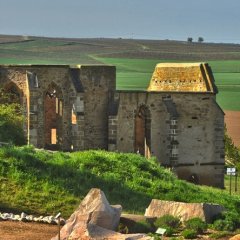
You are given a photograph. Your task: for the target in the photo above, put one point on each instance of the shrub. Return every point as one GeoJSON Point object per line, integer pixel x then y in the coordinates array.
{"type": "Point", "coordinates": [122, 228]}
{"type": "Point", "coordinates": [196, 224]}
{"type": "Point", "coordinates": [189, 233]}
{"type": "Point", "coordinates": [141, 227]}
{"type": "Point", "coordinates": [218, 235]}
{"type": "Point", "coordinates": [228, 222]}
{"type": "Point", "coordinates": [11, 121]}
{"type": "Point", "coordinates": [169, 232]}
{"type": "Point", "coordinates": [155, 236]}
{"type": "Point", "coordinates": [167, 221]}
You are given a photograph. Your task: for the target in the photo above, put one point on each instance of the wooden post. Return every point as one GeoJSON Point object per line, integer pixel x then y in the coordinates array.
{"type": "Point", "coordinates": [59, 227]}
{"type": "Point", "coordinates": [230, 188]}
{"type": "Point", "coordinates": [236, 182]}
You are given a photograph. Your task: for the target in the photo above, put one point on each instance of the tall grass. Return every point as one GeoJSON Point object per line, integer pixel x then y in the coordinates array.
{"type": "Point", "coordinates": [44, 183]}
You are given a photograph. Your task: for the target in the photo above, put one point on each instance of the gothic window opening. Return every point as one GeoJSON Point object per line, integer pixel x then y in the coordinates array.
{"type": "Point", "coordinates": [53, 106]}
{"type": "Point", "coordinates": [13, 93]}
{"type": "Point", "coordinates": [143, 132]}
{"type": "Point", "coordinates": [53, 136]}
{"type": "Point", "coordinates": [74, 116]}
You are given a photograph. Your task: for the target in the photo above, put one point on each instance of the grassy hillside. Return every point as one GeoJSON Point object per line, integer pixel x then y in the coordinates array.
{"type": "Point", "coordinates": [44, 183]}
{"type": "Point", "coordinates": [135, 59]}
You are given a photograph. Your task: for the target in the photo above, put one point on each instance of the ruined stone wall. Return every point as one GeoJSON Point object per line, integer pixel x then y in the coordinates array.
{"type": "Point", "coordinates": [184, 130]}
{"type": "Point", "coordinates": [98, 84]}
{"type": "Point", "coordinates": [191, 142]}
{"type": "Point", "coordinates": [87, 89]}
{"type": "Point", "coordinates": [45, 78]}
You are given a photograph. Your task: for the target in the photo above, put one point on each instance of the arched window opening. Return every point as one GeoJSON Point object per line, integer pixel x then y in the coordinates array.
{"type": "Point", "coordinates": [12, 93]}
{"type": "Point", "coordinates": [74, 116]}
{"type": "Point", "coordinates": [143, 132]}
{"type": "Point", "coordinates": [53, 105]}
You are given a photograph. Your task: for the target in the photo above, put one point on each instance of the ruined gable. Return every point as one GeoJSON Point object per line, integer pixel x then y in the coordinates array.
{"type": "Point", "coordinates": [182, 77]}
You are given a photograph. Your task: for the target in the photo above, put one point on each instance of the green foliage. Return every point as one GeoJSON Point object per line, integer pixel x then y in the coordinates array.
{"type": "Point", "coordinates": [218, 235]}
{"type": "Point", "coordinates": [196, 224]}
{"type": "Point", "coordinates": [11, 121]}
{"type": "Point", "coordinates": [155, 236]}
{"type": "Point", "coordinates": [231, 151]}
{"type": "Point", "coordinates": [123, 228]}
{"type": "Point", "coordinates": [141, 227]}
{"type": "Point", "coordinates": [228, 221]}
{"type": "Point", "coordinates": [189, 233]}
{"type": "Point", "coordinates": [167, 221]}
{"type": "Point", "coordinates": [169, 231]}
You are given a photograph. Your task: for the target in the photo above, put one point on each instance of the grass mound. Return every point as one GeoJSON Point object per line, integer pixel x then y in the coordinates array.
{"type": "Point", "coordinates": [41, 182]}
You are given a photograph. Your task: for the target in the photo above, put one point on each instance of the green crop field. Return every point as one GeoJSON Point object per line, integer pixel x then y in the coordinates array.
{"type": "Point", "coordinates": [135, 59]}
{"type": "Point", "coordinates": [136, 74]}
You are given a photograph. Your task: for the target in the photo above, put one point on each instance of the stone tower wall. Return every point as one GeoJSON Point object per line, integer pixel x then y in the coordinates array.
{"type": "Point", "coordinates": [191, 142]}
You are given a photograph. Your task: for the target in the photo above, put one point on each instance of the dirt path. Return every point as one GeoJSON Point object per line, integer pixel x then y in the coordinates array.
{"type": "Point", "coordinates": [10, 230]}
{"type": "Point", "coordinates": [232, 120]}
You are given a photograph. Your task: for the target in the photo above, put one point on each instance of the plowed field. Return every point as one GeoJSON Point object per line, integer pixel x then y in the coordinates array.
{"type": "Point", "coordinates": [232, 120]}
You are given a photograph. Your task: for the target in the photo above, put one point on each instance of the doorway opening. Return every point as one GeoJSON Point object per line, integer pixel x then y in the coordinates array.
{"type": "Point", "coordinates": [143, 132]}
{"type": "Point", "coordinates": [53, 109]}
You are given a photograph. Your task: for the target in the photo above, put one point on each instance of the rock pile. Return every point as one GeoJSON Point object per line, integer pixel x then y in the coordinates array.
{"type": "Point", "coordinates": [23, 217]}
{"type": "Point", "coordinates": [95, 218]}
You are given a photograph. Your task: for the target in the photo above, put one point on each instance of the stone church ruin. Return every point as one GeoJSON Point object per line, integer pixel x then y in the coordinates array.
{"type": "Point", "coordinates": [177, 119]}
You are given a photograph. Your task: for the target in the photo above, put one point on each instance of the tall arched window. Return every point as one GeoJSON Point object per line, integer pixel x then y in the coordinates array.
{"type": "Point", "coordinates": [143, 131]}
{"type": "Point", "coordinates": [53, 109]}
{"type": "Point", "coordinates": [13, 93]}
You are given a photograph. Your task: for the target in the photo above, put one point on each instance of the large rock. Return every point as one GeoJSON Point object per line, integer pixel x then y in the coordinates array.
{"type": "Point", "coordinates": [93, 231]}
{"type": "Point", "coordinates": [185, 211]}
{"type": "Point", "coordinates": [95, 218]}
{"type": "Point", "coordinates": [236, 237]}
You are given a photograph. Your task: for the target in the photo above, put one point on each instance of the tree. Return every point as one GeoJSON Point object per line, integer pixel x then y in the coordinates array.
{"type": "Point", "coordinates": [11, 120]}
{"type": "Point", "coordinates": [200, 39]}
{"type": "Point", "coordinates": [231, 151]}
{"type": "Point", "coordinates": [190, 39]}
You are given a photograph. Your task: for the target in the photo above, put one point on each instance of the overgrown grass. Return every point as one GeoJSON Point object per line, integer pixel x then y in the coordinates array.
{"type": "Point", "coordinates": [44, 183]}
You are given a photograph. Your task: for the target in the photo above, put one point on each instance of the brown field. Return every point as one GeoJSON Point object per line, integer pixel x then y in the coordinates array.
{"type": "Point", "coordinates": [232, 120]}
{"type": "Point", "coordinates": [26, 231]}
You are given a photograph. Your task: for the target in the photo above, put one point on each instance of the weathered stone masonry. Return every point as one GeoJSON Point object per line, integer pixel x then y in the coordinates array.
{"type": "Point", "coordinates": [77, 107]}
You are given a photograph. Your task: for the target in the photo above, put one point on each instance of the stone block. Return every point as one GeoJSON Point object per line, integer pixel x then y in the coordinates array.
{"type": "Point", "coordinates": [185, 211]}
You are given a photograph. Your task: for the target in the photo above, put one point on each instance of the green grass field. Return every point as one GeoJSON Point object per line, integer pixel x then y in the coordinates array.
{"type": "Point", "coordinates": [136, 74]}
{"type": "Point", "coordinates": [132, 73]}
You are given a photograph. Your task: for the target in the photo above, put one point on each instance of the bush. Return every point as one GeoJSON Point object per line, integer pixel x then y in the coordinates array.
{"type": "Point", "coordinates": [155, 236]}
{"type": "Point", "coordinates": [189, 233]}
{"type": "Point", "coordinates": [169, 232]}
{"type": "Point", "coordinates": [218, 235]}
{"type": "Point", "coordinates": [11, 121]}
{"type": "Point", "coordinates": [228, 222]}
{"type": "Point", "coordinates": [122, 228]}
{"type": "Point", "coordinates": [141, 227]}
{"type": "Point", "coordinates": [167, 221]}
{"type": "Point", "coordinates": [196, 224]}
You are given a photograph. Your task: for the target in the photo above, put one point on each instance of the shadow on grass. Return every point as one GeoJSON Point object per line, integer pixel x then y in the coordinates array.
{"type": "Point", "coordinates": [64, 176]}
